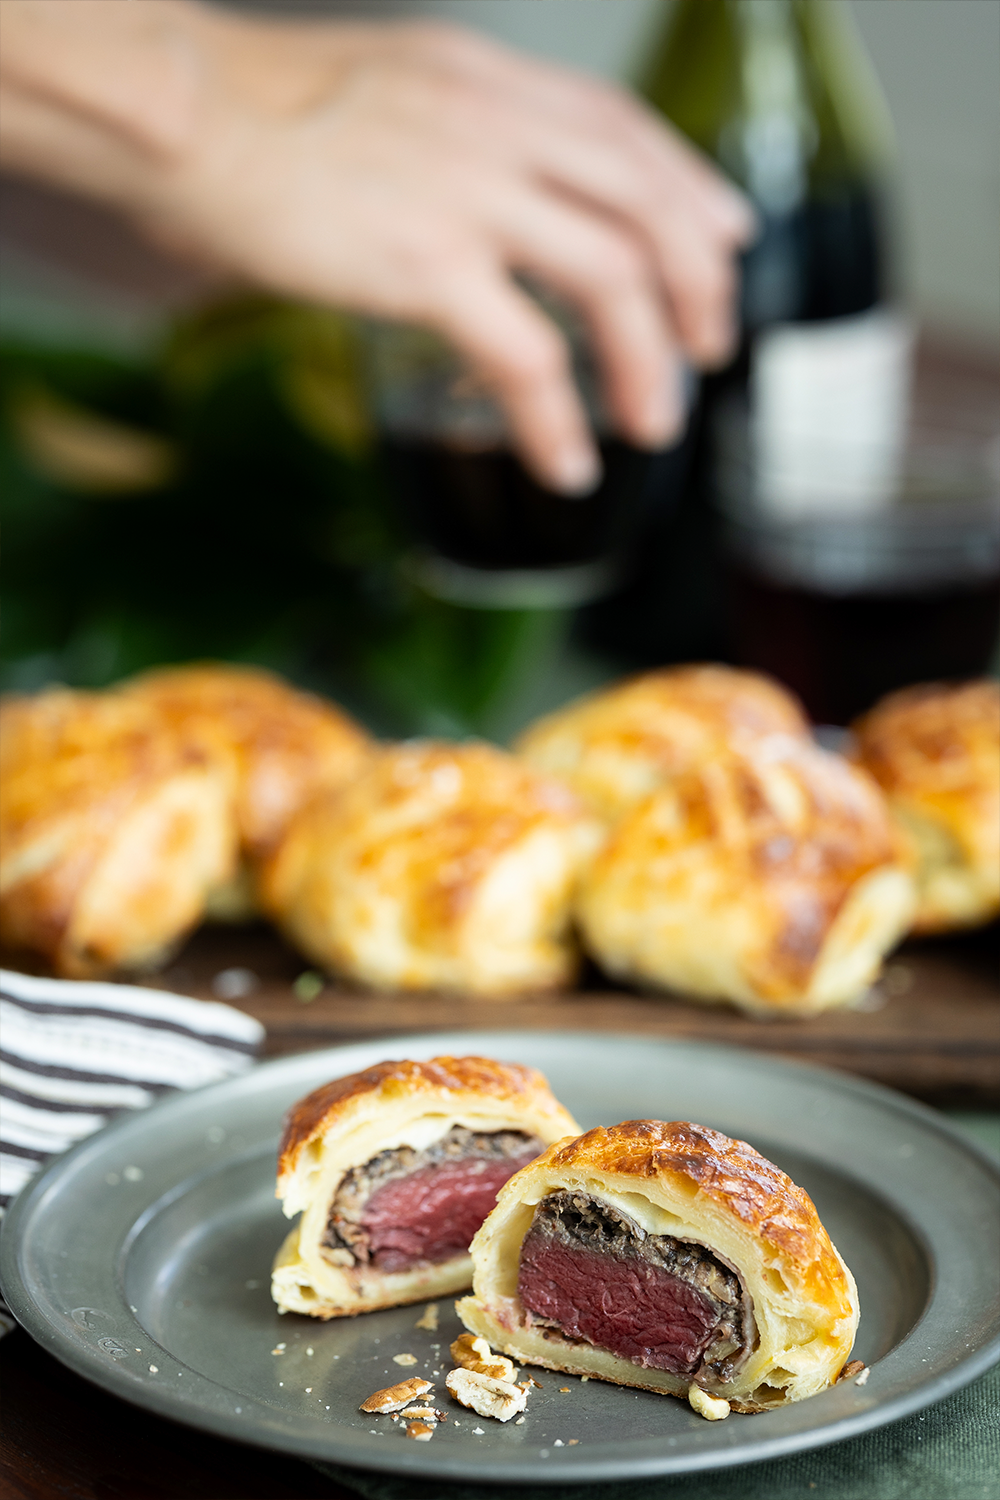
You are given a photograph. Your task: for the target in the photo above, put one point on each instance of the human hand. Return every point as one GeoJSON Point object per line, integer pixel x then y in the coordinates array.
{"type": "Point", "coordinates": [412, 171]}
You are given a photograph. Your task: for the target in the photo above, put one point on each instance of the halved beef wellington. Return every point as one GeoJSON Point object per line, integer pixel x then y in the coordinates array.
{"type": "Point", "coordinates": [668, 1257]}
{"type": "Point", "coordinates": [394, 1169]}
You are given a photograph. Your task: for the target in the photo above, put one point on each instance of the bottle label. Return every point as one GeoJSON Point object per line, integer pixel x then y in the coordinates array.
{"type": "Point", "coordinates": [829, 403]}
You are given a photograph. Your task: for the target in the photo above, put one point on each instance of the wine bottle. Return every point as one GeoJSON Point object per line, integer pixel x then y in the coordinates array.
{"type": "Point", "coordinates": [781, 94]}
{"type": "Point", "coordinates": [810, 415]}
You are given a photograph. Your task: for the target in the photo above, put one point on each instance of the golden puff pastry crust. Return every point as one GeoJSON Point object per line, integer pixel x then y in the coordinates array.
{"type": "Point", "coordinates": [741, 1290]}
{"type": "Point", "coordinates": [441, 866]}
{"type": "Point", "coordinates": [113, 830]}
{"type": "Point", "coordinates": [617, 745]}
{"type": "Point", "coordinates": [772, 878]}
{"type": "Point", "coordinates": [935, 751]}
{"type": "Point", "coordinates": [373, 1162]}
{"type": "Point", "coordinates": [287, 744]}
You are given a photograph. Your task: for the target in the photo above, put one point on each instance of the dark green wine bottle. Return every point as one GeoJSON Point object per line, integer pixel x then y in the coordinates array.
{"type": "Point", "coordinates": [809, 415]}
{"type": "Point", "coordinates": [781, 95]}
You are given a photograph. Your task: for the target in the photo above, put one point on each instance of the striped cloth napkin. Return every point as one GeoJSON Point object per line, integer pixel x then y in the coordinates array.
{"type": "Point", "coordinates": [74, 1056]}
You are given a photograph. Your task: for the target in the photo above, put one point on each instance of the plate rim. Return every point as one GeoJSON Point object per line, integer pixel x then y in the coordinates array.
{"type": "Point", "coordinates": [567, 1468]}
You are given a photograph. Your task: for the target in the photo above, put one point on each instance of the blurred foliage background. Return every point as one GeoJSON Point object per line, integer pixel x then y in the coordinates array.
{"type": "Point", "coordinates": [223, 497]}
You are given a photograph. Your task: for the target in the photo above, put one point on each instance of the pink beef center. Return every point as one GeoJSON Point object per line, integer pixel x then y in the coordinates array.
{"type": "Point", "coordinates": [432, 1214]}
{"type": "Point", "coordinates": [636, 1310]}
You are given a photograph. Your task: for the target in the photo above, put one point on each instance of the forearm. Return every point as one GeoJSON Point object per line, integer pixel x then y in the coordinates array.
{"type": "Point", "coordinates": [93, 96]}
{"type": "Point", "coordinates": [110, 98]}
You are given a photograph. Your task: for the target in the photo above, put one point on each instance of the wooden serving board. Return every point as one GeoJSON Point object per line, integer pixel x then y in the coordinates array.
{"type": "Point", "coordinates": [931, 1027]}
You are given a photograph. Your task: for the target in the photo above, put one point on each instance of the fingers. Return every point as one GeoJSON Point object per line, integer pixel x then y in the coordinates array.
{"type": "Point", "coordinates": [430, 174]}
{"type": "Point", "coordinates": [691, 258]}
{"type": "Point", "coordinates": [591, 141]}
{"type": "Point", "coordinates": [524, 359]}
{"type": "Point", "coordinates": [597, 116]}
{"type": "Point", "coordinates": [575, 138]}
{"type": "Point", "coordinates": [610, 279]}
{"type": "Point", "coordinates": [692, 269]}
{"type": "Point", "coordinates": [701, 284]}
{"type": "Point", "coordinates": [643, 141]}
{"type": "Point", "coordinates": [676, 203]}
{"type": "Point", "coordinates": [596, 112]}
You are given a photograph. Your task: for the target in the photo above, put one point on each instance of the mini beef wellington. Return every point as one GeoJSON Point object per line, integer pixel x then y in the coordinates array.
{"type": "Point", "coordinates": [664, 1256]}
{"type": "Point", "coordinates": [114, 829]}
{"type": "Point", "coordinates": [935, 752]}
{"type": "Point", "coordinates": [285, 746]}
{"type": "Point", "coordinates": [394, 1169]}
{"type": "Point", "coordinates": [448, 867]}
{"type": "Point", "coordinates": [772, 878]}
{"type": "Point", "coordinates": [617, 745]}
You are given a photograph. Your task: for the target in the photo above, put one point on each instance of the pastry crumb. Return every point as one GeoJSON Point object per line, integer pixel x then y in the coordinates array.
{"type": "Point", "coordinates": [428, 1318]}
{"type": "Point", "coordinates": [395, 1397]}
{"type": "Point", "coordinates": [855, 1370]}
{"type": "Point", "coordinates": [573, 1443]}
{"type": "Point", "coordinates": [558, 1443]}
{"type": "Point", "coordinates": [478, 1431]}
{"type": "Point", "coordinates": [404, 1359]}
{"type": "Point", "coordinates": [564, 1388]}
{"type": "Point", "coordinates": [709, 1407]}
{"type": "Point", "coordinates": [424, 1413]}
{"type": "Point", "coordinates": [584, 1379]}
{"type": "Point", "coordinates": [519, 1422]}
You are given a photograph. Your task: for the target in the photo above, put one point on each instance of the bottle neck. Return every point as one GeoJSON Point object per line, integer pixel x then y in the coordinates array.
{"type": "Point", "coordinates": [778, 92]}
{"type": "Point", "coordinates": [769, 142]}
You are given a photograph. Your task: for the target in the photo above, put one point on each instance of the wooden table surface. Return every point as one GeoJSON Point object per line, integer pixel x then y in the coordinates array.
{"type": "Point", "coordinates": [932, 1028]}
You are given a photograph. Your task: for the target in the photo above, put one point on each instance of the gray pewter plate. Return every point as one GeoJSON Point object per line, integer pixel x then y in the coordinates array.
{"type": "Point", "coordinates": [141, 1260]}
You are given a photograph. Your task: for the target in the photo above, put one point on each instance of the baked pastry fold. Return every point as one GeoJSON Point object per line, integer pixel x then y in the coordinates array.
{"type": "Point", "coordinates": [935, 752]}
{"type": "Point", "coordinates": [114, 829]}
{"type": "Point", "coordinates": [285, 747]}
{"type": "Point", "coordinates": [441, 866]}
{"type": "Point", "coordinates": [617, 745]}
{"type": "Point", "coordinates": [393, 1170]}
{"type": "Point", "coordinates": [771, 877]}
{"type": "Point", "coordinates": [664, 1256]}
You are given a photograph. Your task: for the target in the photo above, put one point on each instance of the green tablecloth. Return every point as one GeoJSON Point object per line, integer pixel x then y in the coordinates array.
{"type": "Point", "coordinates": [949, 1452]}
